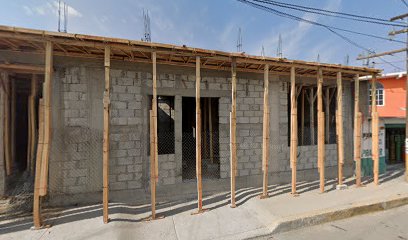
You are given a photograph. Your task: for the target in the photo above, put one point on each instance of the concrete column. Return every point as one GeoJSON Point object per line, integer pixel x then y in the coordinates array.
{"type": "Point", "coordinates": [178, 135]}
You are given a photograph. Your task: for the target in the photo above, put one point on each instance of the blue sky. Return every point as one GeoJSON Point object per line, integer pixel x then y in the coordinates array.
{"type": "Point", "coordinates": [214, 24]}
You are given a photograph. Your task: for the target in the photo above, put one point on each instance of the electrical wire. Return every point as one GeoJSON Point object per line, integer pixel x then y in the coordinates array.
{"type": "Point", "coordinates": [405, 3]}
{"type": "Point", "coordinates": [323, 12]}
{"type": "Point", "coordinates": [329, 28]}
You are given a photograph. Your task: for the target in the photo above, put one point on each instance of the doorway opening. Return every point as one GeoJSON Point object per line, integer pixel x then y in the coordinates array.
{"type": "Point", "coordinates": [209, 138]}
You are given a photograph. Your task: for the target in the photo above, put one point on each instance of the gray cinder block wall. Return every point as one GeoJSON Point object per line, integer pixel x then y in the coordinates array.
{"type": "Point", "coordinates": [76, 148]}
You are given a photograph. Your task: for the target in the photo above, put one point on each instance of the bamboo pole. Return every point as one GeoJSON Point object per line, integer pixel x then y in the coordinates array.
{"type": "Point", "coordinates": [47, 91]}
{"type": "Point", "coordinates": [233, 123]}
{"type": "Point", "coordinates": [198, 137]}
{"type": "Point", "coordinates": [293, 129]}
{"type": "Point", "coordinates": [106, 139]}
{"type": "Point", "coordinates": [312, 128]}
{"type": "Point", "coordinates": [7, 133]}
{"type": "Point", "coordinates": [374, 126]}
{"type": "Point", "coordinates": [265, 146]}
{"type": "Point", "coordinates": [339, 126]}
{"type": "Point", "coordinates": [357, 130]}
{"type": "Point", "coordinates": [40, 144]}
{"type": "Point", "coordinates": [320, 129]}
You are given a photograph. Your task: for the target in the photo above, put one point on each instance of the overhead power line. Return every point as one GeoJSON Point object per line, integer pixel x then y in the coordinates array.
{"type": "Point", "coordinates": [331, 13]}
{"type": "Point", "coordinates": [329, 28]}
{"type": "Point", "coordinates": [405, 3]}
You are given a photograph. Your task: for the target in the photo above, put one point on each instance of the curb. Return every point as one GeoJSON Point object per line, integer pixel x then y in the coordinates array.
{"type": "Point", "coordinates": [330, 215]}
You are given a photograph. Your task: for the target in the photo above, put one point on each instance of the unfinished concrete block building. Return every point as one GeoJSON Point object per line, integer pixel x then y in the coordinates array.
{"type": "Point", "coordinates": [86, 115]}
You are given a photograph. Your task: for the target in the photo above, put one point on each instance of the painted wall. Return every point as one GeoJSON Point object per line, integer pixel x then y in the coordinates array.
{"type": "Point", "coordinates": [394, 97]}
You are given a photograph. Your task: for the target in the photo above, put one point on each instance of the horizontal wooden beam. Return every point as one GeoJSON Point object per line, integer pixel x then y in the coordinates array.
{"type": "Point", "coordinates": [21, 68]}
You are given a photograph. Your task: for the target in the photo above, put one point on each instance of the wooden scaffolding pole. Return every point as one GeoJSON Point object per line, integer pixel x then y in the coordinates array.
{"type": "Point", "coordinates": [265, 146]}
{"type": "Point", "coordinates": [198, 136]}
{"type": "Point", "coordinates": [32, 132]}
{"type": "Point", "coordinates": [293, 129]}
{"type": "Point", "coordinates": [357, 130]}
{"type": "Point", "coordinates": [312, 127]}
{"type": "Point", "coordinates": [106, 140]}
{"type": "Point", "coordinates": [320, 130]}
{"type": "Point", "coordinates": [211, 130]}
{"type": "Point", "coordinates": [374, 129]}
{"type": "Point", "coordinates": [154, 168]}
{"type": "Point", "coordinates": [233, 125]}
{"type": "Point", "coordinates": [327, 115]}
{"type": "Point", "coordinates": [7, 127]}
{"type": "Point", "coordinates": [339, 126]}
{"type": "Point", "coordinates": [40, 144]}
{"type": "Point", "coordinates": [47, 91]}
{"type": "Point", "coordinates": [13, 125]}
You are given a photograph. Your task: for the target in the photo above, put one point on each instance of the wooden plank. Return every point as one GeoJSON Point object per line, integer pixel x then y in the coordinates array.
{"type": "Point", "coordinates": [293, 129]}
{"type": "Point", "coordinates": [47, 92]}
{"type": "Point", "coordinates": [198, 137]}
{"type": "Point", "coordinates": [22, 68]}
{"type": "Point", "coordinates": [320, 130]}
{"type": "Point", "coordinates": [106, 139]}
{"type": "Point", "coordinates": [233, 120]}
{"type": "Point", "coordinates": [374, 129]}
{"type": "Point", "coordinates": [265, 145]}
{"type": "Point", "coordinates": [2, 119]}
{"type": "Point", "coordinates": [339, 126]}
{"type": "Point", "coordinates": [37, 180]}
{"type": "Point", "coordinates": [357, 130]}
{"type": "Point", "coordinates": [303, 116]}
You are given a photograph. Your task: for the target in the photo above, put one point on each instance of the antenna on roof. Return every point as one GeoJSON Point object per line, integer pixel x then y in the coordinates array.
{"type": "Point", "coordinates": [239, 41]}
{"type": "Point", "coordinates": [146, 20]}
{"type": "Point", "coordinates": [279, 53]}
{"type": "Point", "coordinates": [318, 58]}
{"type": "Point", "coordinates": [263, 51]}
{"type": "Point", "coordinates": [347, 60]}
{"type": "Point", "coordinates": [63, 16]}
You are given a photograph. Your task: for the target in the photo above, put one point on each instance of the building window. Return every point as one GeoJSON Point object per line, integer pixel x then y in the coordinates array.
{"type": "Point", "coordinates": [379, 94]}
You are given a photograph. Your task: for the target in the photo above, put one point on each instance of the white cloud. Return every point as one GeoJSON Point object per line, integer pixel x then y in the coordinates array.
{"type": "Point", "coordinates": [50, 8]}
{"type": "Point", "coordinates": [293, 41]}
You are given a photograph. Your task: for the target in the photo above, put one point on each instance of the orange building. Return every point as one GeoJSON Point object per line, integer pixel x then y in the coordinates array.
{"type": "Point", "coordinates": [391, 90]}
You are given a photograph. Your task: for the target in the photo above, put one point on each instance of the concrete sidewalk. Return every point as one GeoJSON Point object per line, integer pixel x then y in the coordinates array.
{"type": "Point", "coordinates": [252, 218]}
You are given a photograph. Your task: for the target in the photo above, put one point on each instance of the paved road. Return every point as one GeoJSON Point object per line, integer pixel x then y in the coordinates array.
{"type": "Point", "coordinates": [391, 224]}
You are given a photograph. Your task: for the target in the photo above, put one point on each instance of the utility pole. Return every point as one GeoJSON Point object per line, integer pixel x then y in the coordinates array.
{"type": "Point", "coordinates": [373, 55]}
{"type": "Point", "coordinates": [402, 17]}
{"type": "Point", "coordinates": [146, 21]}
{"type": "Point", "coordinates": [279, 51]}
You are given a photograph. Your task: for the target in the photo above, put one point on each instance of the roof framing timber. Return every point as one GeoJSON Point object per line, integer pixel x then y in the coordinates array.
{"type": "Point", "coordinates": [77, 45]}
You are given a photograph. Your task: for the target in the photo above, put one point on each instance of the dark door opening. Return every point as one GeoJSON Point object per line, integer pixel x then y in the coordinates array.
{"type": "Point", "coordinates": [209, 138]}
{"type": "Point", "coordinates": [394, 145]}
